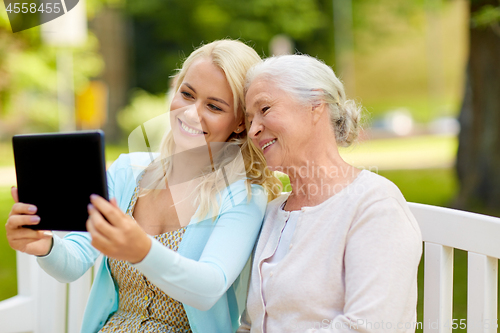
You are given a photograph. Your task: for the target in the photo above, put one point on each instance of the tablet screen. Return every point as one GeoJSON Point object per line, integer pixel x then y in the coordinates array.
{"type": "Point", "coordinates": [57, 172]}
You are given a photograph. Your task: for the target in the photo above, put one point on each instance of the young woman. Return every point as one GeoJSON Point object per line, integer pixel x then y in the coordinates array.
{"type": "Point", "coordinates": [180, 228]}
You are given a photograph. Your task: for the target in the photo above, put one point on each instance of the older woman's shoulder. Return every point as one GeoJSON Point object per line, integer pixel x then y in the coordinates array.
{"type": "Point", "coordinates": [372, 186]}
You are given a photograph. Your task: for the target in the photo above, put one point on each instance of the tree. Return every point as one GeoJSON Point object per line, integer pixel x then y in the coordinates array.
{"type": "Point", "coordinates": [478, 157]}
{"type": "Point", "coordinates": [166, 31]}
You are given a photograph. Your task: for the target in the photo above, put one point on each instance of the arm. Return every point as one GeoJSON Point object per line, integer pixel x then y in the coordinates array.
{"type": "Point", "coordinates": [201, 283]}
{"type": "Point", "coordinates": [382, 254]}
{"type": "Point", "coordinates": [70, 257]}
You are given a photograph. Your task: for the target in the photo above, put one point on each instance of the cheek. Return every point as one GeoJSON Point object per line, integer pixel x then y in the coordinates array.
{"type": "Point", "coordinates": [176, 103]}
{"type": "Point", "coordinates": [220, 126]}
{"type": "Point", "coordinates": [175, 107]}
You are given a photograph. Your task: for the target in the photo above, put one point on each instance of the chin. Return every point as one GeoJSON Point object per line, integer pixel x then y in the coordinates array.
{"type": "Point", "coordinates": [273, 165]}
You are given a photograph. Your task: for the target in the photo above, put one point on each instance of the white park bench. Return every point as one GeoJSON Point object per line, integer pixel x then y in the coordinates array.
{"type": "Point", "coordinates": [44, 305]}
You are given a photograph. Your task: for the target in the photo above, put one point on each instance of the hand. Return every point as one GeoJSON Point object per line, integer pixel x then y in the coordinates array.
{"type": "Point", "coordinates": [36, 242]}
{"type": "Point", "coordinates": [120, 237]}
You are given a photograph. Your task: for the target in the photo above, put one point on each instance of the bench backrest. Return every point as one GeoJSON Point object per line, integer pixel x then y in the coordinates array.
{"type": "Point", "coordinates": [44, 305]}
{"type": "Point", "coordinates": [443, 230]}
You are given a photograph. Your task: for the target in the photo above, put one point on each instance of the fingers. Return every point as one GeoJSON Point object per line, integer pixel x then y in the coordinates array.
{"type": "Point", "coordinates": [111, 212]}
{"type": "Point", "coordinates": [35, 242]}
{"type": "Point", "coordinates": [23, 209]}
{"type": "Point", "coordinates": [17, 221]}
{"type": "Point", "coordinates": [14, 194]}
{"type": "Point", "coordinates": [23, 234]}
{"type": "Point", "coordinates": [98, 222]}
{"type": "Point", "coordinates": [99, 241]}
{"type": "Point", "coordinates": [114, 202]}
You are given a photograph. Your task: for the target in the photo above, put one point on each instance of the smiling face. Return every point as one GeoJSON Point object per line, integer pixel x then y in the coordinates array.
{"type": "Point", "coordinates": [202, 110]}
{"type": "Point", "coordinates": [280, 126]}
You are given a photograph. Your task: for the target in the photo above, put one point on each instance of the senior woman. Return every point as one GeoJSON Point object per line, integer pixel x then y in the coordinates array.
{"type": "Point", "coordinates": [341, 251]}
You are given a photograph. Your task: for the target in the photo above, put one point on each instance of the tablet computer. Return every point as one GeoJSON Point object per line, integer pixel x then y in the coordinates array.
{"type": "Point", "coordinates": [57, 172]}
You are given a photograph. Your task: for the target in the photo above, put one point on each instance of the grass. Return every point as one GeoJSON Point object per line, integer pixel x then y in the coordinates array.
{"type": "Point", "coordinates": [8, 281]}
{"type": "Point", "coordinates": [429, 186]}
{"type": "Point", "coordinates": [427, 151]}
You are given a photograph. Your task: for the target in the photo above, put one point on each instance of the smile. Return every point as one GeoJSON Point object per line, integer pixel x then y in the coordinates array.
{"type": "Point", "coordinates": [268, 144]}
{"type": "Point", "coordinates": [189, 129]}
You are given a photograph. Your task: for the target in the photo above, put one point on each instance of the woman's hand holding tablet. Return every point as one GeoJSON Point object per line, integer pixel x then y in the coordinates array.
{"type": "Point", "coordinates": [114, 233]}
{"type": "Point", "coordinates": [36, 242]}
{"type": "Point", "coordinates": [57, 172]}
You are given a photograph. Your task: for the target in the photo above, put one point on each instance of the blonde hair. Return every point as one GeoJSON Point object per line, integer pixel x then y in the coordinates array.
{"type": "Point", "coordinates": [234, 58]}
{"type": "Point", "coordinates": [309, 80]}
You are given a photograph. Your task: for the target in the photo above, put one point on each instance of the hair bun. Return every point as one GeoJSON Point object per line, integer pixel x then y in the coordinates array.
{"type": "Point", "coordinates": [348, 124]}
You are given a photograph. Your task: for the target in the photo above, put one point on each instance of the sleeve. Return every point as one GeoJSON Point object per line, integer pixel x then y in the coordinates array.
{"type": "Point", "coordinates": [70, 257]}
{"type": "Point", "coordinates": [381, 259]}
{"type": "Point", "coordinates": [201, 283]}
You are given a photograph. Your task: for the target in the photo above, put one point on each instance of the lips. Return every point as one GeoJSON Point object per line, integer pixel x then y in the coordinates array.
{"type": "Point", "coordinates": [265, 144]}
{"type": "Point", "coordinates": [189, 130]}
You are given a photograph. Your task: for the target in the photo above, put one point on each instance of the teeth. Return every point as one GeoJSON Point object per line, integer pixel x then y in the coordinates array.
{"type": "Point", "coordinates": [268, 144]}
{"type": "Point", "coordinates": [189, 129]}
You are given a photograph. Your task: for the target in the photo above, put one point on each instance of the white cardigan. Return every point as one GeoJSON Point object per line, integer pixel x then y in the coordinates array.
{"type": "Point", "coordinates": [352, 264]}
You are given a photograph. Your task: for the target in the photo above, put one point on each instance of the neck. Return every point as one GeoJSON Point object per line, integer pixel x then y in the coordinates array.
{"type": "Point", "coordinates": [189, 164]}
{"type": "Point", "coordinates": [320, 175]}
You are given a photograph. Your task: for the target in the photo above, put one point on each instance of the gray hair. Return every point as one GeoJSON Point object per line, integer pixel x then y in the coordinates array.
{"type": "Point", "coordinates": [309, 81]}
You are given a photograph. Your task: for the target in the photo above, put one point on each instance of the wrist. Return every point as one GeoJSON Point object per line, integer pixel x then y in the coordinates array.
{"type": "Point", "coordinates": [50, 248]}
{"type": "Point", "coordinates": [143, 252]}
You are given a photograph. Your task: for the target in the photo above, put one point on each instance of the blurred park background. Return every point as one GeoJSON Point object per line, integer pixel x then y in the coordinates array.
{"type": "Point", "coordinates": [426, 71]}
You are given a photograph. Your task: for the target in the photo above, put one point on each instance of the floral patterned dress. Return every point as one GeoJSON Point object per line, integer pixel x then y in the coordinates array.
{"type": "Point", "coordinates": [142, 306]}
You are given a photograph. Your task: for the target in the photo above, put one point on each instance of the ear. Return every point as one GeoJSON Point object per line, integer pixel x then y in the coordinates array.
{"type": "Point", "coordinates": [318, 108]}
{"type": "Point", "coordinates": [241, 126]}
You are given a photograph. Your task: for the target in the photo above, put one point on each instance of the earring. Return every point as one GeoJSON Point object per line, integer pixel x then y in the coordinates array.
{"type": "Point", "coordinates": [238, 130]}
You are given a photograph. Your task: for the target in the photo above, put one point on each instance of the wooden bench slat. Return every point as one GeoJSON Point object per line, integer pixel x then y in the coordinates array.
{"type": "Point", "coordinates": [11, 314]}
{"type": "Point", "coordinates": [458, 229]}
{"type": "Point", "coordinates": [482, 282]}
{"type": "Point", "coordinates": [78, 291]}
{"type": "Point", "coordinates": [438, 288]}
{"type": "Point", "coordinates": [50, 301]}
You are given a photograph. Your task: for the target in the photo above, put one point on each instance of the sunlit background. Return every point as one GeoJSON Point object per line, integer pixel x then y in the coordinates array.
{"type": "Point", "coordinates": [108, 64]}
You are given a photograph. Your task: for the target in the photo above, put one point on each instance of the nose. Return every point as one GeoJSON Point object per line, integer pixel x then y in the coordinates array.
{"type": "Point", "coordinates": [255, 129]}
{"type": "Point", "coordinates": [193, 115]}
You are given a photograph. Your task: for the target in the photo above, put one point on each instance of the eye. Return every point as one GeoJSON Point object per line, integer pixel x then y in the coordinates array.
{"type": "Point", "coordinates": [214, 107]}
{"type": "Point", "coordinates": [186, 95]}
{"type": "Point", "coordinates": [265, 109]}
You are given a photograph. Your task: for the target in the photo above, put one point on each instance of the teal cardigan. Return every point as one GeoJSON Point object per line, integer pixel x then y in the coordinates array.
{"type": "Point", "coordinates": [209, 273]}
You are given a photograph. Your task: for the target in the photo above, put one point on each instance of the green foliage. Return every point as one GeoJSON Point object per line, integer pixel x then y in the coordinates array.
{"type": "Point", "coordinates": [28, 78]}
{"type": "Point", "coordinates": [486, 16]}
{"type": "Point", "coordinates": [428, 186]}
{"type": "Point", "coordinates": [167, 30]}
{"type": "Point", "coordinates": [143, 107]}
{"type": "Point", "coordinates": [8, 281]}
